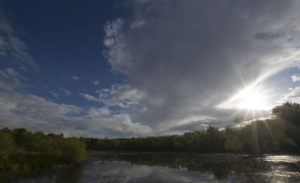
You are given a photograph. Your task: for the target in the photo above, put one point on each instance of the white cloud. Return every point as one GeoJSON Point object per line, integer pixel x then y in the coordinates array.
{"type": "Point", "coordinates": [54, 94]}
{"type": "Point", "coordinates": [20, 110]}
{"type": "Point", "coordinates": [60, 92]}
{"type": "Point", "coordinates": [35, 113]}
{"type": "Point", "coordinates": [9, 79]}
{"type": "Point", "coordinates": [89, 97]}
{"type": "Point", "coordinates": [39, 107]}
{"type": "Point", "coordinates": [23, 110]}
{"type": "Point", "coordinates": [112, 28]}
{"type": "Point", "coordinates": [65, 91]}
{"type": "Point", "coordinates": [98, 112]}
{"type": "Point", "coordinates": [185, 63]}
{"type": "Point", "coordinates": [96, 83]}
{"type": "Point", "coordinates": [12, 45]}
{"type": "Point", "coordinates": [295, 77]}
{"type": "Point", "coordinates": [75, 77]}
{"type": "Point", "coordinates": [116, 125]}
{"type": "Point", "coordinates": [293, 95]}
{"type": "Point", "coordinates": [137, 24]}
{"type": "Point", "coordinates": [11, 75]}
{"type": "Point", "coordinates": [118, 95]}
{"type": "Point", "coordinates": [8, 73]}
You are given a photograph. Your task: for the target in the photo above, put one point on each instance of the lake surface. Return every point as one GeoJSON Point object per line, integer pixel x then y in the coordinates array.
{"type": "Point", "coordinates": [169, 167]}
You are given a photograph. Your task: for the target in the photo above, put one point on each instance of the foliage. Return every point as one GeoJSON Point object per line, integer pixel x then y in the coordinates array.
{"type": "Point", "coordinates": [278, 135]}
{"type": "Point", "coordinates": [6, 141]}
{"type": "Point", "coordinates": [73, 151]}
{"type": "Point", "coordinates": [289, 112]}
{"type": "Point", "coordinates": [23, 152]}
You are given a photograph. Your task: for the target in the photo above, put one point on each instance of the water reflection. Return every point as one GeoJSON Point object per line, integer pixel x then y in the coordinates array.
{"type": "Point", "coordinates": [165, 167]}
{"type": "Point", "coordinates": [124, 172]}
{"type": "Point", "coordinates": [61, 175]}
{"type": "Point", "coordinates": [283, 167]}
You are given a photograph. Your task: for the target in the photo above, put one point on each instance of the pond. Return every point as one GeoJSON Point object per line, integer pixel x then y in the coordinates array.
{"type": "Point", "coordinates": [104, 167]}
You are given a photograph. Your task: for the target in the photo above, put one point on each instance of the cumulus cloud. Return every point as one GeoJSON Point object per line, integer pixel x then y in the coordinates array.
{"type": "Point", "coordinates": [19, 110]}
{"type": "Point", "coordinates": [295, 77]}
{"type": "Point", "coordinates": [186, 57]}
{"type": "Point", "coordinates": [98, 112]}
{"type": "Point", "coordinates": [36, 113]}
{"type": "Point", "coordinates": [115, 125]}
{"type": "Point", "coordinates": [181, 59]}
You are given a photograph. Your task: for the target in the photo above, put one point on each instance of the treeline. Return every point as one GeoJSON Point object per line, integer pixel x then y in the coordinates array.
{"type": "Point", "coordinates": [23, 152]}
{"type": "Point", "coordinates": [278, 135]}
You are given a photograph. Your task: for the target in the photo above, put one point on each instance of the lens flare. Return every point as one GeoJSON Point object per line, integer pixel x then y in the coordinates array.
{"type": "Point", "coordinates": [249, 98]}
{"type": "Point", "coordinates": [252, 99]}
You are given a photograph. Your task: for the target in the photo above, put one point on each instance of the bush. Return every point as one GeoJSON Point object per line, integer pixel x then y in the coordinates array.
{"type": "Point", "coordinates": [73, 151]}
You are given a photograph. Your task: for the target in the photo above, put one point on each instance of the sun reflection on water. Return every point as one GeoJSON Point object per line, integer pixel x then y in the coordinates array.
{"type": "Point", "coordinates": [281, 168]}
{"type": "Point", "coordinates": [283, 158]}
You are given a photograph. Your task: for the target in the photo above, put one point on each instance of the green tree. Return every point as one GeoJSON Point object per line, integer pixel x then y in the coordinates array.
{"type": "Point", "coordinates": [6, 142]}
{"type": "Point", "coordinates": [73, 151]}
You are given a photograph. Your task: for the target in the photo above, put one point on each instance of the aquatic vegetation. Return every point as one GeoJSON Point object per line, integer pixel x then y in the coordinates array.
{"type": "Point", "coordinates": [22, 153]}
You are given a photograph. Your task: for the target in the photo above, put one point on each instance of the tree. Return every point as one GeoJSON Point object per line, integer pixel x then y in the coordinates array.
{"type": "Point", "coordinates": [6, 142]}
{"type": "Point", "coordinates": [289, 112]}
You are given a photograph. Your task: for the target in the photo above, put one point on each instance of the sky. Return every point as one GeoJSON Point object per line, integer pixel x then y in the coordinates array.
{"type": "Point", "coordinates": [130, 68]}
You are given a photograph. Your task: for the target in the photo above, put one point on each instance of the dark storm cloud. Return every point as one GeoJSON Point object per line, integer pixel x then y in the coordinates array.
{"type": "Point", "coordinates": [189, 56]}
{"type": "Point", "coordinates": [267, 35]}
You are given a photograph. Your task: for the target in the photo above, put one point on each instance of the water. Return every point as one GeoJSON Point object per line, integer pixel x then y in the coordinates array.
{"type": "Point", "coordinates": [168, 167]}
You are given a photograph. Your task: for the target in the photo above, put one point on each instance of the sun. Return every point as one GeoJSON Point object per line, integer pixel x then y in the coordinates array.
{"type": "Point", "coordinates": [252, 99]}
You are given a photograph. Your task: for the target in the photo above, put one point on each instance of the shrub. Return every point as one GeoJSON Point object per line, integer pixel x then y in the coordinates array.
{"type": "Point", "coordinates": [73, 151]}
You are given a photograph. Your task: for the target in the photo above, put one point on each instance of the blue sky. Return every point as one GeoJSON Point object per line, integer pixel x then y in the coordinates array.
{"type": "Point", "coordinates": [64, 40]}
{"type": "Point", "coordinates": [140, 68]}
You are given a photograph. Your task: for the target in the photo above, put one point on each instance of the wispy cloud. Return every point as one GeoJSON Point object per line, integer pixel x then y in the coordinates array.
{"type": "Point", "coordinates": [65, 91]}
{"type": "Point", "coordinates": [96, 83]}
{"type": "Point", "coordinates": [118, 95]}
{"type": "Point", "coordinates": [9, 79]}
{"type": "Point", "coordinates": [60, 92]}
{"type": "Point", "coordinates": [12, 45]}
{"type": "Point", "coordinates": [75, 77]}
{"type": "Point", "coordinates": [89, 97]}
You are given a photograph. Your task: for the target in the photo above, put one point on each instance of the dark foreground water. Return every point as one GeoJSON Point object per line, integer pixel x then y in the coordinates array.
{"type": "Point", "coordinates": [165, 167]}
